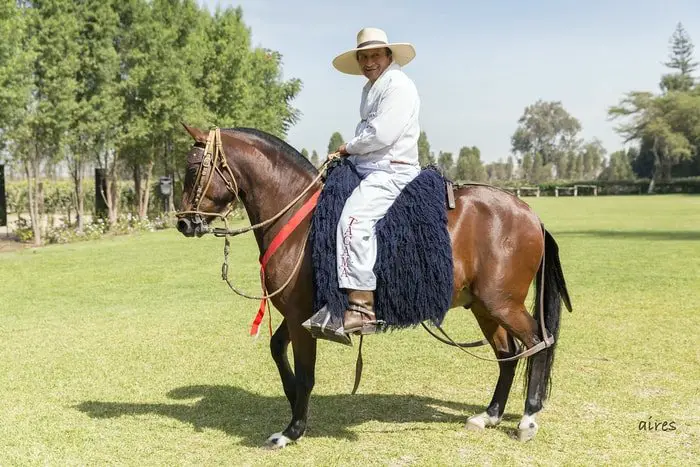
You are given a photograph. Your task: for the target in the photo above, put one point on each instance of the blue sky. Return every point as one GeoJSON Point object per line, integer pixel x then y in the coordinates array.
{"type": "Point", "coordinates": [478, 64]}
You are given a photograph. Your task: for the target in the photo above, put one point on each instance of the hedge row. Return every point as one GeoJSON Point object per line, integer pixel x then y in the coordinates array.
{"type": "Point", "coordinates": [617, 187]}
{"type": "Point", "coordinates": [59, 197]}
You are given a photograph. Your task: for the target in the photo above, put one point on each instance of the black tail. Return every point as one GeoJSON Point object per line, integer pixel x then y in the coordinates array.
{"type": "Point", "coordinates": [554, 293]}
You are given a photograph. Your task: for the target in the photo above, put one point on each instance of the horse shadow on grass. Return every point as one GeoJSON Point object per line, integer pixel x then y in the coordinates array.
{"type": "Point", "coordinates": [253, 417]}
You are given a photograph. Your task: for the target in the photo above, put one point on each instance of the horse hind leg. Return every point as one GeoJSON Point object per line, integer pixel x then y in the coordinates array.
{"type": "Point", "coordinates": [503, 346]}
{"type": "Point", "coordinates": [304, 348]}
{"type": "Point", "coordinates": [515, 319]}
{"type": "Point", "coordinates": [550, 288]}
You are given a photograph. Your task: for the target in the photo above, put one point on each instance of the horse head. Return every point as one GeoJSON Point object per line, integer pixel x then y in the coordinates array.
{"type": "Point", "coordinates": [210, 185]}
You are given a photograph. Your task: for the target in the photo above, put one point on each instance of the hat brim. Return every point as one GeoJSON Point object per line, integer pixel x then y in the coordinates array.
{"type": "Point", "coordinates": [402, 53]}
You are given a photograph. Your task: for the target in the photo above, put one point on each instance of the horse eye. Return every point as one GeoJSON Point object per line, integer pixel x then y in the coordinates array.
{"type": "Point", "coordinates": [195, 157]}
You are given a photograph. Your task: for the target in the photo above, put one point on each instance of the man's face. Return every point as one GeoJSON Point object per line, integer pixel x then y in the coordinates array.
{"type": "Point", "coordinates": [373, 62]}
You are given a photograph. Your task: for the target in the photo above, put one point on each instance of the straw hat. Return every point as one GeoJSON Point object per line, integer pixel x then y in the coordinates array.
{"type": "Point", "coordinates": [373, 38]}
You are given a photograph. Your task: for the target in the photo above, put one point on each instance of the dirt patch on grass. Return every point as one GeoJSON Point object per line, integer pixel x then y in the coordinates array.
{"type": "Point", "coordinates": [10, 243]}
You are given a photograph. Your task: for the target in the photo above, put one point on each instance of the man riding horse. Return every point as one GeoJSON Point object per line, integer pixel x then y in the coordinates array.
{"type": "Point", "coordinates": [385, 153]}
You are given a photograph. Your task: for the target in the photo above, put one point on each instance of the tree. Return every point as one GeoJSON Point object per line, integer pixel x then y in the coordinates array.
{"type": "Point", "coordinates": [509, 168]}
{"type": "Point", "coordinates": [618, 167]}
{"type": "Point", "coordinates": [592, 155]}
{"type": "Point", "coordinates": [53, 35]}
{"type": "Point", "coordinates": [469, 166]}
{"type": "Point", "coordinates": [335, 142]}
{"type": "Point", "coordinates": [108, 83]}
{"type": "Point", "coordinates": [445, 162]}
{"type": "Point", "coordinates": [546, 128]}
{"type": "Point", "coordinates": [540, 172]}
{"type": "Point", "coordinates": [667, 121]}
{"type": "Point", "coordinates": [681, 60]}
{"type": "Point", "coordinates": [425, 158]}
{"type": "Point", "coordinates": [99, 107]}
{"type": "Point", "coordinates": [304, 152]}
{"type": "Point", "coordinates": [526, 166]}
{"type": "Point", "coordinates": [314, 158]}
{"type": "Point", "coordinates": [500, 171]}
{"type": "Point", "coordinates": [17, 55]}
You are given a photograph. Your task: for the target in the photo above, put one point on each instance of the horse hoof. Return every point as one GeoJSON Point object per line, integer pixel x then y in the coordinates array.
{"type": "Point", "coordinates": [527, 429]}
{"type": "Point", "coordinates": [481, 421]}
{"type": "Point", "coordinates": [277, 441]}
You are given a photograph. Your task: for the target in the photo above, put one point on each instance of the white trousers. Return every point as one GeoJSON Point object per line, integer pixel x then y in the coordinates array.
{"type": "Point", "coordinates": [355, 237]}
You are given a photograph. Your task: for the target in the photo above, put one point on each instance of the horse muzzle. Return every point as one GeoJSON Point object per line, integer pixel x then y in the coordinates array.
{"type": "Point", "coordinates": [191, 227]}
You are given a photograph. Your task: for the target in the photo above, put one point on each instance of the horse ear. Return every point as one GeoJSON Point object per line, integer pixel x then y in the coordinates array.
{"type": "Point", "coordinates": [196, 133]}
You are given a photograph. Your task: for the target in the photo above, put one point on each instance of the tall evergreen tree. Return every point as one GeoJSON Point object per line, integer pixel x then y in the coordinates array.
{"type": "Point", "coordinates": [424, 156]}
{"type": "Point", "coordinates": [680, 60]}
{"type": "Point", "coordinates": [335, 141]}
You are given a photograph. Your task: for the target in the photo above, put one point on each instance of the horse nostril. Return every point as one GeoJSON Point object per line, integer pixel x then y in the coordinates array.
{"type": "Point", "coordinates": [184, 226]}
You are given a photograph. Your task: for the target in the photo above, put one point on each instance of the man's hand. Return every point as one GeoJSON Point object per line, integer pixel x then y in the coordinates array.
{"type": "Point", "coordinates": [341, 151]}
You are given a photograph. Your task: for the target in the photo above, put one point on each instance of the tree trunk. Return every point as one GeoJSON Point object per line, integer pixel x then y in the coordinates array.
{"type": "Point", "coordinates": [77, 175]}
{"type": "Point", "coordinates": [81, 204]}
{"type": "Point", "coordinates": [143, 191]}
{"type": "Point", "coordinates": [657, 165]}
{"type": "Point", "coordinates": [168, 152]}
{"type": "Point", "coordinates": [32, 172]}
{"type": "Point", "coordinates": [112, 192]}
{"type": "Point", "coordinates": [136, 174]}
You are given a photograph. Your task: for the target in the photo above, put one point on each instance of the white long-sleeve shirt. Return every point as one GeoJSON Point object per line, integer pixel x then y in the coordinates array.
{"type": "Point", "coordinates": [389, 128]}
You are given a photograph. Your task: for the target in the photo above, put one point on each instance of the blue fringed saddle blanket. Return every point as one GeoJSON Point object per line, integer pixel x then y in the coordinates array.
{"type": "Point", "coordinates": [414, 253]}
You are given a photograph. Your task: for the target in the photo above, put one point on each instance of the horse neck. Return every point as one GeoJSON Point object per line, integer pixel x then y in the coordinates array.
{"type": "Point", "coordinates": [268, 182]}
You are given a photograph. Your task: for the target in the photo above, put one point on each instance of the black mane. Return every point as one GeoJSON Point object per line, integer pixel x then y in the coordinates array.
{"type": "Point", "coordinates": [282, 146]}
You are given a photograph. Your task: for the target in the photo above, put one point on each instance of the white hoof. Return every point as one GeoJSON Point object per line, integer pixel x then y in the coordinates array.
{"type": "Point", "coordinates": [481, 421]}
{"type": "Point", "coordinates": [527, 428]}
{"type": "Point", "coordinates": [277, 441]}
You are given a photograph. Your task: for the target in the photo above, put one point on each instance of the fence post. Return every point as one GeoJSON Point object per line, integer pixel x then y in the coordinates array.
{"type": "Point", "coordinates": [100, 193]}
{"type": "Point", "coordinates": [165, 187]}
{"type": "Point", "coordinates": [3, 199]}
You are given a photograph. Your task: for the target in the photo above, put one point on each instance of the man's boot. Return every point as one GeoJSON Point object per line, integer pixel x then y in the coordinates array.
{"type": "Point", "coordinates": [359, 318]}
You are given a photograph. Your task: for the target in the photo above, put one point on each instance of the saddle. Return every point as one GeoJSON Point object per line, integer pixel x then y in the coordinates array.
{"type": "Point", "coordinates": [414, 252]}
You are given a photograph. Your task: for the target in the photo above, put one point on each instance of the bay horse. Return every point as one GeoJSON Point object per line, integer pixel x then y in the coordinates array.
{"type": "Point", "coordinates": [499, 246]}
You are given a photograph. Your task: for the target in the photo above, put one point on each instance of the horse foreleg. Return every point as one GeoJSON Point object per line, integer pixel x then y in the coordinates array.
{"type": "Point", "coordinates": [304, 348]}
{"type": "Point", "coordinates": [278, 348]}
{"type": "Point", "coordinates": [504, 347]}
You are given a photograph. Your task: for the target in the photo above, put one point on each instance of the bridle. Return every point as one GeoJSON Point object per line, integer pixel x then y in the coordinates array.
{"type": "Point", "coordinates": [214, 160]}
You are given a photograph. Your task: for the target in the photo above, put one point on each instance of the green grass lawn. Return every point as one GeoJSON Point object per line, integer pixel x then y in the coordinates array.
{"type": "Point", "coordinates": [131, 350]}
